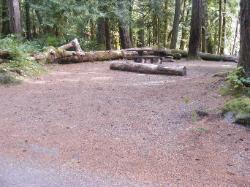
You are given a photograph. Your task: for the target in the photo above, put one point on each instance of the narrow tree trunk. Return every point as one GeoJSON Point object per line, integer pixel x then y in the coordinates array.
{"type": "Point", "coordinates": [223, 37]}
{"type": "Point", "coordinates": [195, 32]}
{"type": "Point", "coordinates": [184, 35]}
{"type": "Point", "coordinates": [107, 35]}
{"type": "Point", "coordinates": [5, 18]}
{"type": "Point", "coordinates": [235, 38]}
{"type": "Point", "coordinates": [245, 36]}
{"type": "Point", "coordinates": [141, 34]}
{"type": "Point", "coordinates": [176, 24]}
{"type": "Point", "coordinates": [166, 23]}
{"type": "Point", "coordinates": [220, 26]}
{"type": "Point", "coordinates": [15, 16]}
{"type": "Point", "coordinates": [27, 20]}
{"type": "Point", "coordinates": [204, 28]}
{"type": "Point", "coordinates": [100, 35]}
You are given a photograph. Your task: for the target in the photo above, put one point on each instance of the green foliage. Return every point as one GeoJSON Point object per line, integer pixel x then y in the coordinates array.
{"type": "Point", "coordinates": [18, 47]}
{"type": "Point", "coordinates": [238, 86]}
{"type": "Point", "coordinates": [238, 83]}
{"type": "Point", "coordinates": [7, 79]}
{"type": "Point", "coordinates": [239, 106]}
{"type": "Point", "coordinates": [19, 63]}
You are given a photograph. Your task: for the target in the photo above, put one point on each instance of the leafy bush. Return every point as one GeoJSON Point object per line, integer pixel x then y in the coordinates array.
{"type": "Point", "coordinates": [239, 106]}
{"type": "Point", "coordinates": [237, 83]}
{"type": "Point", "coordinates": [19, 63]}
{"type": "Point", "coordinates": [18, 47]}
{"type": "Point", "coordinates": [6, 79]}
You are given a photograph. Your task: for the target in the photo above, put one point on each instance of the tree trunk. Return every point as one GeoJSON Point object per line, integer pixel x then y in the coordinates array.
{"type": "Point", "coordinates": [124, 26]}
{"type": "Point", "coordinates": [220, 26]}
{"type": "Point", "coordinates": [204, 27]}
{"type": "Point", "coordinates": [184, 35]}
{"type": "Point", "coordinates": [176, 24]}
{"type": "Point", "coordinates": [15, 16]}
{"type": "Point", "coordinates": [195, 32]}
{"type": "Point", "coordinates": [166, 23]}
{"type": "Point", "coordinates": [5, 19]}
{"type": "Point", "coordinates": [223, 37]}
{"type": "Point", "coordinates": [245, 36]}
{"type": "Point", "coordinates": [141, 33]}
{"type": "Point", "coordinates": [235, 38]}
{"type": "Point", "coordinates": [100, 35]}
{"type": "Point", "coordinates": [149, 68]}
{"type": "Point", "coordinates": [107, 35]}
{"type": "Point", "coordinates": [27, 20]}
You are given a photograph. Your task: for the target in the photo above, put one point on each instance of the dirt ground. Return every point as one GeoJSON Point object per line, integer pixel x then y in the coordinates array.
{"type": "Point", "coordinates": [84, 125]}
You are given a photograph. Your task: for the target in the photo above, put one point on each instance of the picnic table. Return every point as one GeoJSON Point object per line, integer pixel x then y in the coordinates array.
{"type": "Point", "coordinates": [156, 56]}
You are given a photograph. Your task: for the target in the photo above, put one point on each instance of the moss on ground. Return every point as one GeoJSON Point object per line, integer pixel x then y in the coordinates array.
{"type": "Point", "coordinates": [239, 106]}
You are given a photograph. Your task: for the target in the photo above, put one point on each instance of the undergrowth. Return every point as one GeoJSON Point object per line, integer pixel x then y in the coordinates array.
{"type": "Point", "coordinates": [238, 87]}
{"type": "Point", "coordinates": [19, 63]}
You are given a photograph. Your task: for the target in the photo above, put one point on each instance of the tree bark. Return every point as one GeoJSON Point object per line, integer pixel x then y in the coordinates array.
{"type": "Point", "coordinates": [184, 35]}
{"type": "Point", "coordinates": [235, 38]}
{"type": "Point", "coordinates": [124, 25]}
{"type": "Point", "coordinates": [223, 37]}
{"type": "Point", "coordinates": [195, 32]}
{"type": "Point", "coordinates": [204, 27]}
{"type": "Point", "coordinates": [245, 36]}
{"type": "Point", "coordinates": [15, 16]}
{"type": "Point", "coordinates": [149, 68]}
{"type": "Point", "coordinates": [5, 19]}
{"type": "Point", "coordinates": [27, 20]}
{"type": "Point", "coordinates": [220, 26]}
{"type": "Point", "coordinates": [100, 35]}
{"type": "Point", "coordinates": [176, 24]}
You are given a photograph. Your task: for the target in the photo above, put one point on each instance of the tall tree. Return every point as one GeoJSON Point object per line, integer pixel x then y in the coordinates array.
{"type": "Point", "coordinates": [15, 16]}
{"type": "Point", "coordinates": [204, 28]}
{"type": "Point", "coordinates": [245, 36]}
{"type": "Point", "coordinates": [220, 26]}
{"type": "Point", "coordinates": [27, 20]}
{"type": "Point", "coordinates": [124, 24]}
{"type": "Point", "coordinates": [176, 24]}
{"type": "Point", "coordinates": [195, 32]}
{"type": "Point", "coordinates": [223, 37]}
{"type": "Point", "coordinates": [5, 18]}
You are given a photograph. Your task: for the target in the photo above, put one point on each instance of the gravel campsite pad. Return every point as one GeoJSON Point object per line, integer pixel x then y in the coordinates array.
{"type": "Point", "coordinates": [85, 125]}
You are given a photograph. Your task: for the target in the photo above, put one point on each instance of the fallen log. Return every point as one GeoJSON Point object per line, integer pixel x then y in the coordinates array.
{"type": "Point", "coordinates": [213, 57]}
{"type": "Point", "coordinates": [149, 68]}
{"type": "Point", "coordinates": [62, 56]}
{"type": "Point", "coordinates": [5, 55]}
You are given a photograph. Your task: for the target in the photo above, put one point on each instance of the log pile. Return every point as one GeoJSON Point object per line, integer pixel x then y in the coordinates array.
{"type": "Point", "coordinates": [149, 68]}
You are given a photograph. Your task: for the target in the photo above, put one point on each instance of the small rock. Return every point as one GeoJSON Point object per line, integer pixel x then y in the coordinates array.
{"type": "Point", "coordinates": [230, 117]}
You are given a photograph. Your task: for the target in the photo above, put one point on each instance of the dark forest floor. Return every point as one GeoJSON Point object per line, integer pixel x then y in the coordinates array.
{"type": "Point", "coordinates": [84, 125]}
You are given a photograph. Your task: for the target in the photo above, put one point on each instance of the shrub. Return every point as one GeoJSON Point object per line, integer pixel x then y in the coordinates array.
{"type": "Point", "coordinates": [237, 83]}
{"type": "Point", "coordinates": [239, 106]}
{"type": "Point", "coordinates": [19, 62]}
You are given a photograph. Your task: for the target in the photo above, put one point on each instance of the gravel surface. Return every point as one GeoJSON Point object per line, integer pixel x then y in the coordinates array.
{"type": "Point", "coordinates": [84, 125]}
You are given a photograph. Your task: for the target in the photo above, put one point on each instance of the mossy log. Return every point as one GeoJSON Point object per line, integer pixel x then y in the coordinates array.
{"type": "Point", "coordinates": [149, 68]}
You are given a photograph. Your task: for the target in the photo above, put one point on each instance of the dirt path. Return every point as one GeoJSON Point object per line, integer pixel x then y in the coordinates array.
{"type": "Point", "coordinates": [84, 125]}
